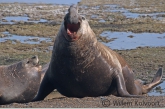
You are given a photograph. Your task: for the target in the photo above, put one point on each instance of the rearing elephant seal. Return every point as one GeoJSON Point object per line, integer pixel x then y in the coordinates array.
{"type": "Point", "coordinates": [81, 66]}
{"type": "Point", "coordinates": [20, 82]}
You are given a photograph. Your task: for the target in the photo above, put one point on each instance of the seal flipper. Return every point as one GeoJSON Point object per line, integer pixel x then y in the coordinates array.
{"type": "Point", "coordinates": [121, 87]}
{"type": "Point", "coordinates": [156, 81]}
{"type": "Point", "coordinates": [45, 89]}
{"type": "Point", "coordinates": [158, 76]}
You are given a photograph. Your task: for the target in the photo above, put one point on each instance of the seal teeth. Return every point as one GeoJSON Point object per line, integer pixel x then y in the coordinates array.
{"type": "Point", "coordinates": [73, 27]}
{"type": "Point", "coordinates": [70, 32]}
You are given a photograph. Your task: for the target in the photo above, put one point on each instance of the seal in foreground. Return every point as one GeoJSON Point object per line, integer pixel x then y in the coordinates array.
{"type": "Point", "coordinates": [43, 70]}
{"type": "Point", "coordinates": [81, 66]}
{"type": "Point", "coordinates": [20, 81]}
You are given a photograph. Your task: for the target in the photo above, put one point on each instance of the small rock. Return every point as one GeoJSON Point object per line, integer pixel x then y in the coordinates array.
{"type": "Point", "coordinates": [2, 35]}
{"type": "Point", "coordinates": [4, 20]}
{"type": "Point", "coordinates": [13, 20]}
{"type": "Point", "coordinates": [130, 36]}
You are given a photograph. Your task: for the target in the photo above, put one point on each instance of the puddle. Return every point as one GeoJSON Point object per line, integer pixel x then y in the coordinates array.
{"type": "Point", "coordinates": [129, 40]}
{"type": "Point", "coordinates": [95, 7]}
{"type": "Point", "coordinates": [102, 20]}
{"type": "Point", "coordinates": [14, 19]}
{"type": "Point", "coordinates": [94, 16]}
{"type": "Point", "coordinates": [23, 39]}
{"type": "Point", "coordinates": [128, 14]}
{"type": "Point", "coordinates": [158, 90]}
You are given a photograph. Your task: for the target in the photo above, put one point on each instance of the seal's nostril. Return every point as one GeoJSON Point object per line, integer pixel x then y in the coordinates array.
{"type": "Point", "coordinates": [34, 57]}
{"type": "Point", "coordinates": [28, 62]}
{"type": "Point", "coordinates": [83, 18]}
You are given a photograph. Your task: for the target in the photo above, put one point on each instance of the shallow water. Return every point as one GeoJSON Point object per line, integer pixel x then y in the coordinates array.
{"type": "Point", "coordinates": [129, 40]}
{"type": "Point", "coordinates": [128, 14]}
{"type": "Point", "coordinates": [102, 20]}
{"type": "Point", "coordinates": [160, 92]}
{"type": "Point", "coordinates": [24, 39]}
{"type": "Point", "coordinates": [19, 18]}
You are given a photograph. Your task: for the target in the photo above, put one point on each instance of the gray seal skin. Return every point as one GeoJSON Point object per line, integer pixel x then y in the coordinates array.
{"type": "Point", "coordinates": [81, 66]}
{"type": "Point", "coordinates": [20, 81]}
{"type": "Point", "coordinates": [44, 69]}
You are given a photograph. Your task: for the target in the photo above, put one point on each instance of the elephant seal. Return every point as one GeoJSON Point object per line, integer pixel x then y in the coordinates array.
{"type": "Point", "coordinates": [20, 81]}
{"type": "Point", "coordinates": [81, 66]}
{"type": "Point", "coordinates": [44, 69]}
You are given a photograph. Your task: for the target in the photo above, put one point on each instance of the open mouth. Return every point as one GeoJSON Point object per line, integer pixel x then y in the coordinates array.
{"type": "Point", "coordinates": [72, 30]}
{"type": "Point", "coordinates": [36, 64]}
{"type": "Point", "coordinates": [34, 59]}
{"type": "Point", "coordinates": [39, 67]}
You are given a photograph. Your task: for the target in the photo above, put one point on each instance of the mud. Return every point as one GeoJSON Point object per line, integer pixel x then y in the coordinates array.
{"type": "Point", "coordinates": [144, 60]}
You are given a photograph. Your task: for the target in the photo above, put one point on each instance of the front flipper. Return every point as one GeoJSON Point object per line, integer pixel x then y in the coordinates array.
{"type": "Point", "coordinates": [45, 88]}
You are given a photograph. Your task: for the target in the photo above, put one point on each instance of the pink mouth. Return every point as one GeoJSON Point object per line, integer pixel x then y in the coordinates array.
{"type": "Point", "coordinates": [72, 31]}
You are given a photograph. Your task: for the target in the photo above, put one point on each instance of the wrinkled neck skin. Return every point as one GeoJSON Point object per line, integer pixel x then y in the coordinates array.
{"type": "Point", "coordinates": [75, 49]}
